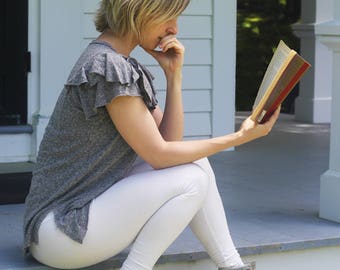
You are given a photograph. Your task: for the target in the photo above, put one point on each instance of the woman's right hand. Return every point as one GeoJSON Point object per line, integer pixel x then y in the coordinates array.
{"type": "Point", "coordinates": [171, 56]}
{"type": "Point", "coordinates": [251, 130]}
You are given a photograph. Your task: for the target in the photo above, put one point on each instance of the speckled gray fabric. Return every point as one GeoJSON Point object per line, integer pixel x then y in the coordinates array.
{"type": "Point", "coordinates": [82, 154]}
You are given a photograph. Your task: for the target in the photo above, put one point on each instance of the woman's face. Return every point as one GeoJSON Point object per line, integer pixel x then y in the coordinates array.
{"type": "Point", "coordinates": [152, 35]}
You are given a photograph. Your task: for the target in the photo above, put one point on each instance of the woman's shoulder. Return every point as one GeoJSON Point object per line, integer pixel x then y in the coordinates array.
{"type": "Point", "coordinates": [99, 58]}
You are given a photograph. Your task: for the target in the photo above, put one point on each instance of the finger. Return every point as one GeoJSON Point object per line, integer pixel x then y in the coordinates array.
{"type": "Point", "coordinates": [167, 39]}
{"type": "Point", "coordinates": [175, 47]}
{"type": "Point", "coordinates": [169, 42]}
{"type": "Point", "coordinates": [166, 45]}
{"type": "Point", "coordinates": [169, 45]}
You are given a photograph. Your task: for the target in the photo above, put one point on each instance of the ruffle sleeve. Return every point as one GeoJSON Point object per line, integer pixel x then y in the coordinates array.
{"type": "Point", "coordinates": [107, 76]}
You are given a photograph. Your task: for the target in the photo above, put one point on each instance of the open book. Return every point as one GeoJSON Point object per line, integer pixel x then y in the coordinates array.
{"type": "Point", "coordinates": [285, 70]}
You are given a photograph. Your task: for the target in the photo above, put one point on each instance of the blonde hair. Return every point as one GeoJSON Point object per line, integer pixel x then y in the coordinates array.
{"type": "Point", "coordinates": [124, 17]}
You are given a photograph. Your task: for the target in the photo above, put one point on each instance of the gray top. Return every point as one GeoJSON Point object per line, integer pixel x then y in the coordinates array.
{"type": "Point", "coordinates": [82, 154]}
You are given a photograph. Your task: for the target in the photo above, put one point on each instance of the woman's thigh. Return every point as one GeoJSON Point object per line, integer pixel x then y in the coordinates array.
{"type": "Point", "coordinates": [123, 210]}
{"type": "Point", "coordinates": [118, 214]}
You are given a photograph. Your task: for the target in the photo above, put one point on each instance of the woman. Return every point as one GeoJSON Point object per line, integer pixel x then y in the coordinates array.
{"type": "Point", "coordinates": [89, 198]}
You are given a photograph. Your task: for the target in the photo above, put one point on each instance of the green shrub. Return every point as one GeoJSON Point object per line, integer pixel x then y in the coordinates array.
{"type": "Point", "coordinates": [261, 24]}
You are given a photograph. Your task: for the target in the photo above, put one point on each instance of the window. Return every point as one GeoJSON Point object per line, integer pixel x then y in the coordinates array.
{"type": "Point", "coordinates": [14, 62]}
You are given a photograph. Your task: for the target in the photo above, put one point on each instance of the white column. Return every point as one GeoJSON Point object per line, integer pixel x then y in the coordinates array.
{"type": "Point", "coordinates": [329, 34]}
{"type": "Point", "coordinates": [314, 101]}
{"type": "Point", "coordinates": [224, 65]}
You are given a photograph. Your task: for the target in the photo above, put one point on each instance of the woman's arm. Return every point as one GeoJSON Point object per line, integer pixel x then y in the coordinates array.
{"type": "Point", "coordinates": [171, 122]}
{"type": "Point", "coordinates": [140, 131]}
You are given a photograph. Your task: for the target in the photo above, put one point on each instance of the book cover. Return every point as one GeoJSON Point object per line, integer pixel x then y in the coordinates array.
{"type": "Point", "coordinates": [284, 71]}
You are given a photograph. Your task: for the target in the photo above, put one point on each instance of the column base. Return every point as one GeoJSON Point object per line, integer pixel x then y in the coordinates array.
{"type": "Point", "coordinates": [313, 110]}
{"type": "Point", "coordinates": [329, 196]}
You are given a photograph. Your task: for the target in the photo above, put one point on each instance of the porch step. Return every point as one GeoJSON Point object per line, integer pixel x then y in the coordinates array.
{"type": "Point", "coordinates": [15, 180]}
{"type": "Point", "coordinates": [185, 250]}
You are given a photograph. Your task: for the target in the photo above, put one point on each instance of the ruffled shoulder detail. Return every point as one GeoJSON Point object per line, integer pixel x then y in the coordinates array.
{"type": "Point", "coordinates": [111, 66]}
{"type": "Point", "coordinates": [101, 75]}
{"type": "Point", "coordinates": [145, 82]}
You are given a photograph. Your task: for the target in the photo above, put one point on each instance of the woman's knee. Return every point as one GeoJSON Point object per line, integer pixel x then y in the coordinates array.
{"type": "Point", "coordinates": [205, 166]}
{"type": "Point", "coordinates": [197, 180]}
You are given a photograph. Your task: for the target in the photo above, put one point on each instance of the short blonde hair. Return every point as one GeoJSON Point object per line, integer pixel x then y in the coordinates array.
{"type": "Point", "coordinates": [124, 17]}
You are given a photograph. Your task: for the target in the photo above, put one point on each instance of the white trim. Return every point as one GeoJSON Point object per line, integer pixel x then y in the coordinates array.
{"type": "Point", "coordinates": [224, 62]}
{"type": "Point", "coordinates": [33, 83]}
{"type": "Point", "coordinates": [15, 147]}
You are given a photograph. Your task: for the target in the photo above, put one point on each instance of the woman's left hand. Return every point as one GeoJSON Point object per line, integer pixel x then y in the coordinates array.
{"type": "Point", "coordinates": [171, 54]}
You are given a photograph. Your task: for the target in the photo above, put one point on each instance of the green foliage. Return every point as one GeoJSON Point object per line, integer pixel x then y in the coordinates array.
{"type": "Point", "coordinates": [261, 24]}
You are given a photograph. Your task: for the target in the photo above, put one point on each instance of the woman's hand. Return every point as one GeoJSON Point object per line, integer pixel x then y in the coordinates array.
{"type": "Point", "coordinates": [250, 130]}
{"type": "Point", "coordinates": [171, 54]}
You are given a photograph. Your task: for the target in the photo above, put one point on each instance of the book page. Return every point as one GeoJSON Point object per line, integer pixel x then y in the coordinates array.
{"type": "Point", "coordinates": [278, 59]}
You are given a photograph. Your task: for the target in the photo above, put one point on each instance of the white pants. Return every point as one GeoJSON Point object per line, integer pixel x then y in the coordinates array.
{"type": "Point", "coordinates": [148, 209]}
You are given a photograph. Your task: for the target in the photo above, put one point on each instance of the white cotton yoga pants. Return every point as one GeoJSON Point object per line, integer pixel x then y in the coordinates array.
{"type": "Point", "coordinates": [147, 210]}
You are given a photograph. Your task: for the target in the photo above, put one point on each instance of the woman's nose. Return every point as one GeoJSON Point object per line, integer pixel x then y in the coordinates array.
{"type": "Point", "coordinates": [173, 27]}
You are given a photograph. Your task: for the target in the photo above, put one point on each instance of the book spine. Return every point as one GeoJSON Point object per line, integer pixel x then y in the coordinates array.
{"type": "Point", "coordinates": [285, 92]}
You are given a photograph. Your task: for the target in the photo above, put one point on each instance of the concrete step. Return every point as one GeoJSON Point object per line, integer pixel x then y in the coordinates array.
{"type": "Point", "coordinates": [185, 250]}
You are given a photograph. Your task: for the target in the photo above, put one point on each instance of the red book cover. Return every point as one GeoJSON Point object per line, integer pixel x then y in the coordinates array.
{"type": "Point", "coordinates": [285, 92]}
